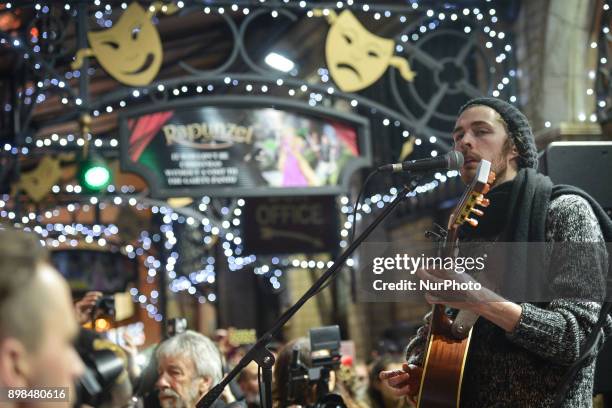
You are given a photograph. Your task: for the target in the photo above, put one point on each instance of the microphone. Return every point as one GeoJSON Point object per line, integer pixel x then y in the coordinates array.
{"type": "Point", "coordinates": [453, 160]}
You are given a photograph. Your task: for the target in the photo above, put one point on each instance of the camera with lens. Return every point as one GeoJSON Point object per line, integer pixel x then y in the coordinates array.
{"type": "Point", "coordinates": [105, 306]}
{"type": "Point", "coordinates": [309, 382]}
{"type": "Point", "coordinates": [176, 325]}
{"type": "Point", "coordinates": [104, 365]}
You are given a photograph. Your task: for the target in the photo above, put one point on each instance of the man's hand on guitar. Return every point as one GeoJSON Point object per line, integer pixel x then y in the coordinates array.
{"type": "Point", "coordinates": [404, 382]}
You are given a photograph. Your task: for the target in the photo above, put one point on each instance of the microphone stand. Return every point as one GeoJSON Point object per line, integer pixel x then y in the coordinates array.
{"type": "Point", "coordinates": [259, 352]}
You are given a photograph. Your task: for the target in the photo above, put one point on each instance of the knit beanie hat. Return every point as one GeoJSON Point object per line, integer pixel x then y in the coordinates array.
{"type": "Point", "coordinates": [518, 126]}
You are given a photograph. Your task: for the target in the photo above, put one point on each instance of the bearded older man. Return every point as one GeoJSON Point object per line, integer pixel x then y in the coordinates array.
{"type": "Point", "coordinates": [189, 365]}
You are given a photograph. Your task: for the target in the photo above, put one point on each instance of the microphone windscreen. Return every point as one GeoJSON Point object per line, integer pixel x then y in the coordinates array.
{"type": "Point", "coordinates": [455, 160]}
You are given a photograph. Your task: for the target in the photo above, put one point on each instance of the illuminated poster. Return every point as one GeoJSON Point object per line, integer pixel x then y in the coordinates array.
{"type": "Point", "coordinates": [234, 151]}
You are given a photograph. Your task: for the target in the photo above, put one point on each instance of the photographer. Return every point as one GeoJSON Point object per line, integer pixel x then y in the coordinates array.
{"type": "Point", "coordinates": [110, 367]}
{"type": "Point", "coordinates": [86, 305]}
{"type": "Point", "coordinates": [106, 382]}
{"type": "Point", "coordinates": [294, 385]}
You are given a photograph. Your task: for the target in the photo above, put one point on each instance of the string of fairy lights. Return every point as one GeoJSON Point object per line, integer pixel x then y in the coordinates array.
{"type": "Point", "coordinates": [223, 227]}
{"type": "Point", "coordinates": [106, 10]}
{"type": "Point", "coordinates": [484, 19]}
{"type": "Point", "coordinates": [57, 235]}
{"type": "Point", "coordinates": [602, 99]}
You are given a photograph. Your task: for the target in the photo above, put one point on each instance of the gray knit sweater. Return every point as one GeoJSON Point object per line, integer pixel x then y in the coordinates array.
{"type": "Point", "coordinates": [522, 368]}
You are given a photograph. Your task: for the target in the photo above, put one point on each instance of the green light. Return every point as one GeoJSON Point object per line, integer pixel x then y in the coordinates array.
{"type": "Point", "coordinates": [94, 174]}
{"type": "Point", "coordinates": [96, 177]}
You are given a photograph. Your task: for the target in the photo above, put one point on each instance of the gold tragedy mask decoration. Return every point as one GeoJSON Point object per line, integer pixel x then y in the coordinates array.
{"type": "Point", "coordinates": [356, 58]}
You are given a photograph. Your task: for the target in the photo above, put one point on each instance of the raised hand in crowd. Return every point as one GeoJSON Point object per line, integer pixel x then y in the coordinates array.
{"type": "Point", "coordinates": [84, 306]}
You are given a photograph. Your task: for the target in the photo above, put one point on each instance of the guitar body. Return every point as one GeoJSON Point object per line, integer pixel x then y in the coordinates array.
{"type": "Point", "coordinates": [446, 350]}
{"type": "Point", "coordinates": [443, 365]}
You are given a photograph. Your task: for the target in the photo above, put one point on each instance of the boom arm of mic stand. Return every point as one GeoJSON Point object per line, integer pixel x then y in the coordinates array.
{"type": "Point", "coordinates": [259, 348]}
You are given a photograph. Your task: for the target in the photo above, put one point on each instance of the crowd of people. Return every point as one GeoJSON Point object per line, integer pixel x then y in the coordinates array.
{"type": "Point", "coordinates": [43, 345]}
{"type": "Point", "coordinates": [519, 352]}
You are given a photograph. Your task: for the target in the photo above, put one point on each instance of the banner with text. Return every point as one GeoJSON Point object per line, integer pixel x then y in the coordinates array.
{"type": "Point", "coordinates": [232, 151]}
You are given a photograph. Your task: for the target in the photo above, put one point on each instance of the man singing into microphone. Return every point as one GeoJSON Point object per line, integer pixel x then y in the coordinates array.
{"type": "Point", "coordinates": [519, 352]}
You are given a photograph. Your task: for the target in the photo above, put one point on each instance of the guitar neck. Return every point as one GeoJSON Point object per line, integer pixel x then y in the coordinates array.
{"type": "Point", "coordinates": [446, 354]}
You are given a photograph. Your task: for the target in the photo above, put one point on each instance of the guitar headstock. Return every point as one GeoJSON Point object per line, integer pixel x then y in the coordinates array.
{"type": "Point", "coordinates": [474, 196]}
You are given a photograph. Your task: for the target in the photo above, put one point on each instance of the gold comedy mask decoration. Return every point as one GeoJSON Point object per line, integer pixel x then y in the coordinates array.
{"type": "Point", "coordinates": [356, 58]}
{"type": "Point", "coordinates": [130, 51]}
{"type": "Point", "coordinates": [37, 183]}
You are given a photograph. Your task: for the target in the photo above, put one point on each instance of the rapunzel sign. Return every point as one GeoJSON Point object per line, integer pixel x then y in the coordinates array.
{"type": "Point", "coordinates": [229, 149]}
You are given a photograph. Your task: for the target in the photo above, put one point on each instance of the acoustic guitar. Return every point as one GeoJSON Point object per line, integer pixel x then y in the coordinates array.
{"type": "Point", "coordinates": [446, 349]}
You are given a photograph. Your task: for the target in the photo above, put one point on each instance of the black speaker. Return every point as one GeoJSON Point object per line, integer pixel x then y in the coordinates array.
{"type": "Point", "coordinates": [603, 382]}
{"type": "Point", "coordinates": [587, 165]}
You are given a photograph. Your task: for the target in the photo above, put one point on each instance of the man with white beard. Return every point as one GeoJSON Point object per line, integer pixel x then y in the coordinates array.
{"type": "Point", "coordinates": [189, 365]}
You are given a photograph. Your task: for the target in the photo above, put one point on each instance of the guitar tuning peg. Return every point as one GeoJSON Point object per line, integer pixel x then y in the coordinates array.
{"type": "Point", "coordinates": [472, 222]}
{"type": "Point", "coordinates": [478, 212]}
{"type": "Point", "coordinates": [482, 201]}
